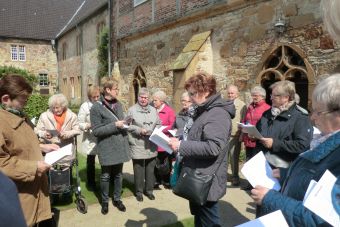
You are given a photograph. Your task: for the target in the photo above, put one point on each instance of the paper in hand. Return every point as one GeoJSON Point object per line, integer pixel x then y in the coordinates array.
{"type": "Point", "coordinates": [268, 220]}
{"type": "Point", "coordinates": [258, 172]}
{"type": "Point", "coordinates": [54, 156]}
{"type": "Point", "coordinates": [160, 139]}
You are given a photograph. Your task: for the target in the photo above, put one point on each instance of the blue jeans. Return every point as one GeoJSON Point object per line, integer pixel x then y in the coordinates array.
{"type": "Point", "coordinates": [206, 215]}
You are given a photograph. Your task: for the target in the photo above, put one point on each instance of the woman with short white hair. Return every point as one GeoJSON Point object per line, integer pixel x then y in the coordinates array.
{"type": "Point", "coordinates": [58, 125]}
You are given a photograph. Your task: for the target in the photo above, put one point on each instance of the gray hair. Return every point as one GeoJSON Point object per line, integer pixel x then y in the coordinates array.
{"type": "Point", "coordinates": [328, 92]}
{"type": "Point", "coordinates": [143, 91]}
{"type": "Point", "coordinates": [232, 86]}
{"type": "Point", "coordinates": [258, 90]}
{"type": "Point", "coordinates": [160, 94]}
{"type": "Point", "coordinates": [331, 17]}
{"type": "Point", "coordinates": [285, 87]}
{"type": "Point", "coordinates": [58, 99]}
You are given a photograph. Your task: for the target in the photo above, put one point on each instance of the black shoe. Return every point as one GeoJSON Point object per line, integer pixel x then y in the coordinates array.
{"type": "Point", "coordinates": [119, 204]}
{"type": "Point", "coordinates": [156, 186]}
{"type": "Point", "coordinates": [167, 185]}
{"type": "Point", "coordinates": [105, 208]}
{"type": "Point", "coordinates": [150, 196]}
{"type": "Point", "coordinates": [139, 197]}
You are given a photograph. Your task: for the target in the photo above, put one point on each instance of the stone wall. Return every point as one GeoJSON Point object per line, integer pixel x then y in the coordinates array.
{"type": "Point", "coordinates": [82, 68]}
{"type": "Point", "coordinates": [242, 33]}
{"type": "Point", "coordinates": [40, 58]}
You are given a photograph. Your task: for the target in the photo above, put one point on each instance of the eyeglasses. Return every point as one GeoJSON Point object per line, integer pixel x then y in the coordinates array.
{"type": "Point", "coordinates": [319, 113]}
{"type": "Point", "coordinates": [116, 89]}
{"type": "Point", "coordinates": [274, 96]}
{"type": "Point", "coordinates": [185, 101]}
{"type": "Point", "coordinates": [144, 97]}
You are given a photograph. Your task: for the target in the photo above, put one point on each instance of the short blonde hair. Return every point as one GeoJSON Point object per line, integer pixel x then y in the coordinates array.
{"type": "Point", "coordinates": [285, 87]}
{"type": "Point", "coordinates": [92, 90]}
{"type": "Point", "coordinates": [58, 99]}
{"type": "Point", "coordinates": [108, 82]}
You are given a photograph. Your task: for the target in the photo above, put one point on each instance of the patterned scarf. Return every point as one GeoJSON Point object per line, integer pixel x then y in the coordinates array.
{"type": "Point", "coordinates": [320, 139]}
{"type": "Point", "coordinates": [276, 111]}
{"type": "Point", "coordinates": [190, 121]}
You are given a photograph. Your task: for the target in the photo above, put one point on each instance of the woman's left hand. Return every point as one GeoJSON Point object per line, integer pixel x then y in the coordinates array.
{"type": "Point", "coordinates": [174, 144]}
{"type": "Point", "coordinates": [258, 194]}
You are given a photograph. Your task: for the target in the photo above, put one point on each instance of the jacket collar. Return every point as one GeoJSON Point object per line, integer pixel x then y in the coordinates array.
{"type": "Point", "coordinates": [13, 120]}
{"type": "Point", "coordinates": [323, 150]}
{"type": "Point", "coordinates": [142, 109]}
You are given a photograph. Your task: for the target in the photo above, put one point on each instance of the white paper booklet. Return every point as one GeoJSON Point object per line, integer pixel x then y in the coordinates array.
{"type": "Point", "coordinates": [160, 139]}
{"type": "Point", "coordinates": [258, 172]}
{"type": "Point", "coordinates": [251, 130]}
{"type": "Point", "coordinates": [54, 156]}
{"type": "Point", "coordinates": [268, 221]}
{"type": "Point", "coordinates": [319, 199]}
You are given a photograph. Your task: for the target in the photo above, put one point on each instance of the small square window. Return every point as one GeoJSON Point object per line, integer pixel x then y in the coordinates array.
{"type": "Point", "coordinates": [22, 53]}
{"type": "Point", "coordinates": [43, 79]}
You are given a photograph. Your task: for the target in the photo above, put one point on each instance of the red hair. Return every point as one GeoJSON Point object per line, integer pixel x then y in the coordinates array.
{"type": "Point", "coordinates": [202, 82]}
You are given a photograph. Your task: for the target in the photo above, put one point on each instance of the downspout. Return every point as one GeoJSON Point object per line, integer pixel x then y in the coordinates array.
{"type": "Point", "coordinates": [110, 37]}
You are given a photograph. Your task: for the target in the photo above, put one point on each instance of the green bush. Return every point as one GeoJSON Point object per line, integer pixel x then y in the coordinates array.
{"type": "Point", "coordinates": [5, 70]}
{"type": "Point", "coordinates": [36, 105]}
{"type": "Point", "coordinates": [103, 48]}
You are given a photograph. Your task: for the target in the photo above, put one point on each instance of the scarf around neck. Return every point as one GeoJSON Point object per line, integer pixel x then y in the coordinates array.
{"type": "Point", "coordinates": [13, 111]}
{"type": "Point", "coordinates": [190, 121]}
{"type": "Point", "coordinates": [60, 120]}
{"type": "Point", "coordinates": [276, 111]}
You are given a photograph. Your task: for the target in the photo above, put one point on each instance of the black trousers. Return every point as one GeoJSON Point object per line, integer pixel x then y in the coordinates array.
{"type": "Point", "coordinates": [144, 176]}
{"type": "Point", "coordinates": [163, 178]}
{"type": "Point", "coordinates": [90, 169]}
{"type": "Point", "coordinates": [114, 172]}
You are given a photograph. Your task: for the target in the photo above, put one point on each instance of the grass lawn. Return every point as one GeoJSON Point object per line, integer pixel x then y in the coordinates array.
{"type": "Point", "coordinates": [188, 222]}
{"type": "Point", "coordinates": [64, 202]}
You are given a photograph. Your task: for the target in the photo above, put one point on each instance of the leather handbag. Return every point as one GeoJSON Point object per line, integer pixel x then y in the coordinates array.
{"type": "Point", "coordinates": [193, 185]}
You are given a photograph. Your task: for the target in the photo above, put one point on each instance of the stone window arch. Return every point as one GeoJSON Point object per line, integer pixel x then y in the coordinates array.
{"type": "Point", "coordinates": [287, 62]}
{"type": "Point", "coordinates": [139, 80]}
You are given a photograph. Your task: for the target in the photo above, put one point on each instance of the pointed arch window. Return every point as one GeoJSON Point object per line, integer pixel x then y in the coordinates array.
{"type": "Point", "coordinates": [139, 80]}
{"type": "Point", "coordinates": [286, 63]}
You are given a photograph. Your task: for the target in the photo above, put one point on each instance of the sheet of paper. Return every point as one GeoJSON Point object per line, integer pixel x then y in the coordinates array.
{"type": "Point", "coordinates": [160, 139]}
{"type": "Point", "coordinates": [268, 221]}
{"type": "Point", "coordinates": [54, 156]}
{"type": "Point", "coordinates": [251, 130]}
{"type": "Point", "coordinates": [173, 132]}
{"type": "Point", "coordinates": [258, 172]}
{"type": "Point", "coordinates": [319, 200]}
{"type": "Point", "coordinates": [311, 185]}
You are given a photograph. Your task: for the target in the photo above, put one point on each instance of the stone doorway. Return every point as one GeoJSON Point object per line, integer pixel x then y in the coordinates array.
{"type": "Point", "coordinates": [287, 62]}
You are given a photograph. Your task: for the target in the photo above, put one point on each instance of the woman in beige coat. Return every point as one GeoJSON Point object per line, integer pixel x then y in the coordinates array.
{"type": "Point", "coordinates": [20, 151]}
{"type": "Point", "coordinates": [58, 124]}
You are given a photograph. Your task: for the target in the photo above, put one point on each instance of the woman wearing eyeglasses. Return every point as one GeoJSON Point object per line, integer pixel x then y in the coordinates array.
{"type": "Point", "coordinates": [182, 116]}
{"type": "Point", "coordinates": [205, 143]}
{"type": "Point", "coordinates": [107, 123]}
{"type": "Point", "coordinates": [286, 130]}
{"type": "Point", "coordinates": [143, 151]}
{"type": "Point", "coordinates": [323, 154]}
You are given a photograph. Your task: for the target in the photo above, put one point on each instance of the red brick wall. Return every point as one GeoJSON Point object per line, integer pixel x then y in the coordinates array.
{"type": "Point", "coordinates": [131, 19]}
{"type": "Point", "coordinates": [164, 10]}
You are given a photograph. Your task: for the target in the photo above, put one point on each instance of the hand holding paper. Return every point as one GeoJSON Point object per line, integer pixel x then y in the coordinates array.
{"type": "Point", "coordinates": [54, 156]}
{"type": "Point", "coordinates": [258, 172]}
{"type": "Point", "coordinates": [160, 139]}
{"type": "Point", "coordinates": [251, 130]}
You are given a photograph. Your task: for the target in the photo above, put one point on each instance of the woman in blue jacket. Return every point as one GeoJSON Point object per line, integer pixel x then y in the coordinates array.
{"type": "Point", "coordinates": [311, 165]}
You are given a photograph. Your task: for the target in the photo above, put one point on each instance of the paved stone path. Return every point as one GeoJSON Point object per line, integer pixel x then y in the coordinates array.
{"type": "Point", "coordinates": [236, 207]}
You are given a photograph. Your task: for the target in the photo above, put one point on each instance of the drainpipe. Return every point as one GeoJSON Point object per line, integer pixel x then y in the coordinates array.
{"type": "Point", "coordinates": [110, 36]}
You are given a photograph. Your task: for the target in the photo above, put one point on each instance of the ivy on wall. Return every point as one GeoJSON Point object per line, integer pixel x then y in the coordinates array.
{"type": "Point", "coordinates": [102, 46]}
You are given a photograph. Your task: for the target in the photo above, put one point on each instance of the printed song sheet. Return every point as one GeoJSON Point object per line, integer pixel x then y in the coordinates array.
{"type": "Point", "coordinates": [268, 221]}
{"type": "Point", "coordinates": [258, 172]}
{"type": "Point", "coordinates": [251, 130]}
{"type": "Point", "coordinates": [160, 139]}
{"type": "Point", "coordinates": [319, 199]}
{"type": "Point", "coordinates": [54, 156]}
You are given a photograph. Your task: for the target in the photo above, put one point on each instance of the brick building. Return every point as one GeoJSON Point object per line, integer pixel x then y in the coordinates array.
{"type": "Point", "coordinates": [159, 44]}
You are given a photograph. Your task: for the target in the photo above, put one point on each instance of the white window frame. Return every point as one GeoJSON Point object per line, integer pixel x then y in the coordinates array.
{"type": "Point", "coordinates": [18, 53]}
{"type": "Point", "coordinates": [43, 78]}
{"type": "Point", "coordinates": [22, 53]}
{"type": "Point", "coordinates": [138, 2]}
{"type": "Point", "coordinates": [14, 53]}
